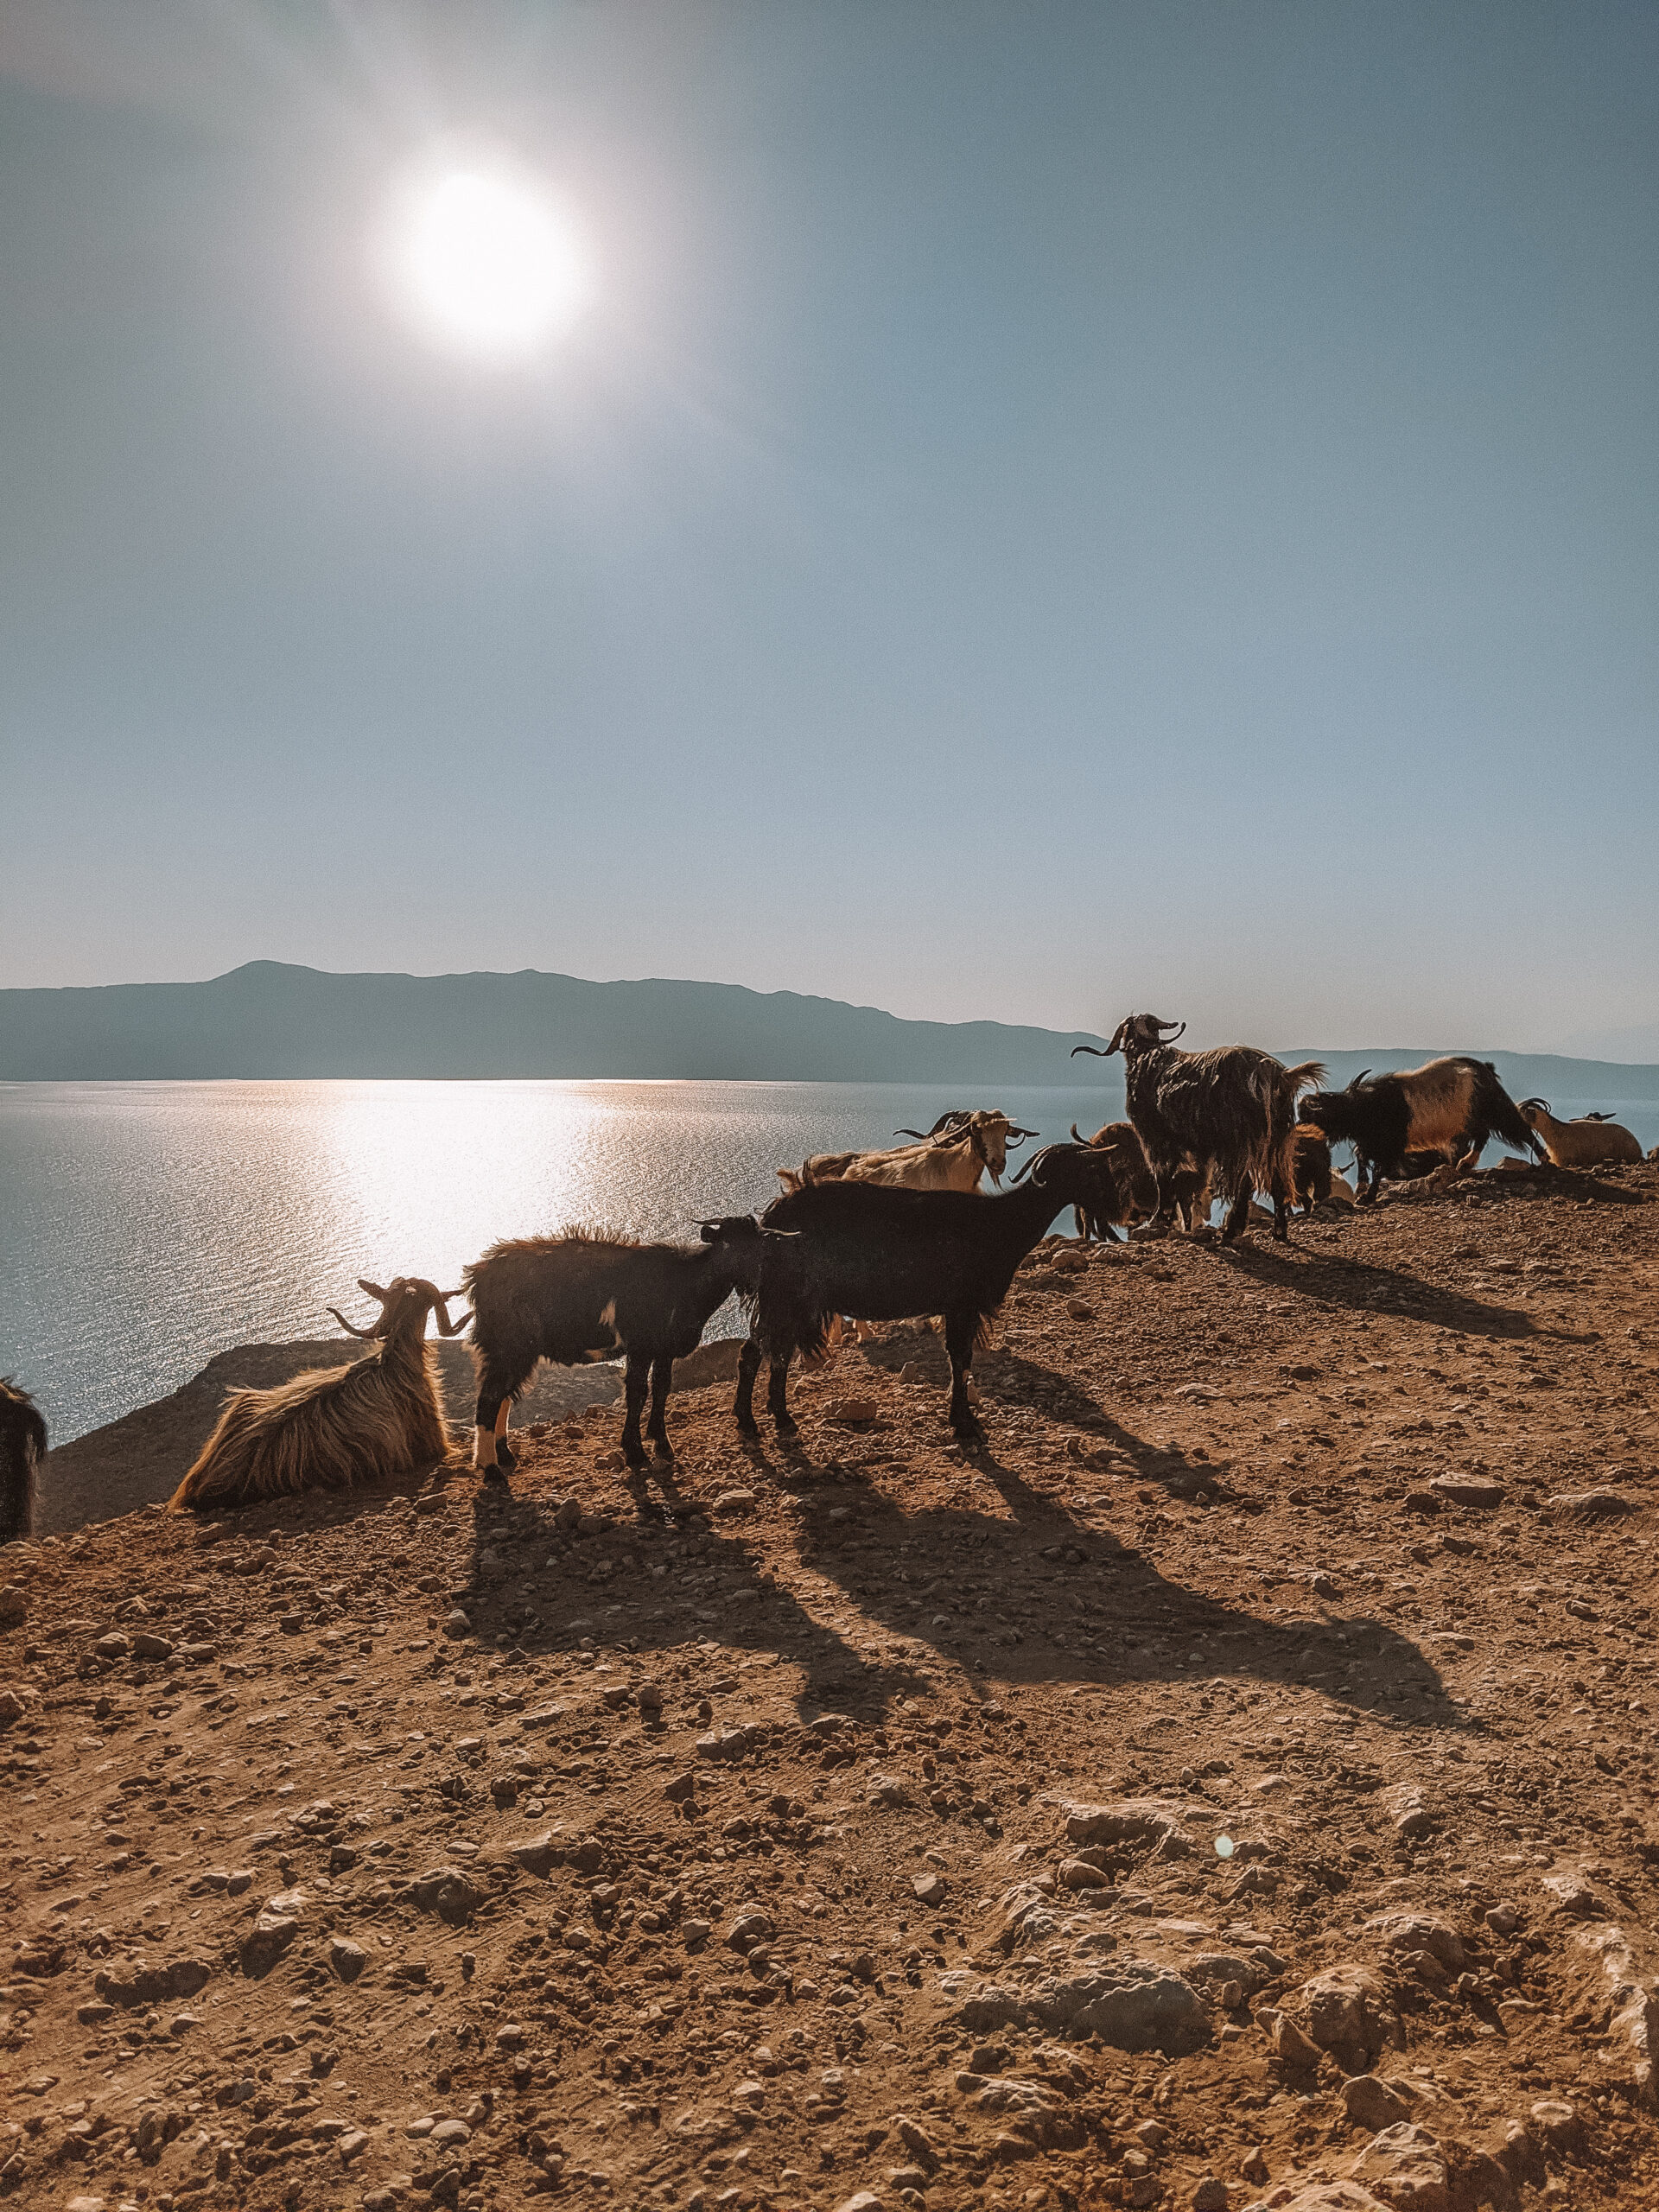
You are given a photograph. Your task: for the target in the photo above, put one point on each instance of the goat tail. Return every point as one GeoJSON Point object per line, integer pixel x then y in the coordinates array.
{"type": "Point", "coordinates": [1307, 1075]}
{"type": "Point", "coordinates": [1506, 1119]}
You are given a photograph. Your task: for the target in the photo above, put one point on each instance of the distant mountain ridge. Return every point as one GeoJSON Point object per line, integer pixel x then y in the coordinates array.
{"type": "Point", "coordinates": [275, 1020]}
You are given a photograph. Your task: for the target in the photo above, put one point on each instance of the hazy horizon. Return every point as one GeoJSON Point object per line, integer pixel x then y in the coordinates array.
{"type": "Point", "coordinates": [1636, 1046]}
{"type": "Point", "coordinates": [1039, 511]}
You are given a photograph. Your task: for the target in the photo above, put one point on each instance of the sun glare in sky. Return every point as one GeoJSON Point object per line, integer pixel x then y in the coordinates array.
{"type": "Point", "coordinates": [483, 262]}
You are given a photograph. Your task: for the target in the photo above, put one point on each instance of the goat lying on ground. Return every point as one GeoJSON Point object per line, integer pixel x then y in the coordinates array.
{"type": "Point", "coordinates": [886, 1255]}
{"type": "Point", "coordinates": [1452, 1107]}
{"type": "Point", "coordinates": [23, 1447]}
{"type": "Point", "coordinates": [1582, 1143]}
{"type": "Point", "coordinates": [333, 1426]}
{"type": "Point", "coordinates": [952, 1156]}
{"type": "Point", "coordinates": [584, 1297]}
{"type": "Point", "coordinates": [1136, 1188]}
{"type": "Point", "coordinates": [1223, 1117]}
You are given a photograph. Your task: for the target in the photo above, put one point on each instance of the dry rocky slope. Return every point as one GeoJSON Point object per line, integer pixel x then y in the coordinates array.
{"type": "Point", "coordinates": [1235, 1788]}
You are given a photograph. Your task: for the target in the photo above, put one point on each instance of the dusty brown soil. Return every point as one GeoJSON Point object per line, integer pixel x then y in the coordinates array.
{"type": "Point", "coordinates": [1184, 1804]}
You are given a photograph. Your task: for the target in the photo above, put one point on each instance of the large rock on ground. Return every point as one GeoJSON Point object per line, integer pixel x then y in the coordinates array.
{"type": "Point", "coordinates": [1132, 2003]}
{"type": "Point", "coordinates": [1406, 2167]}
{"type": "Point", "coordinates": [1318, 2196]}
{"type": "Point", "coordinates": [1348, 2016]}
{"type": "Point", "coordinates": [1159, 1820]}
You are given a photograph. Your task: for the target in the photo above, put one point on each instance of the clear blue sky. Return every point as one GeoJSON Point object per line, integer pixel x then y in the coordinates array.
{"type": "Point", "coordinates": [1050, 508]}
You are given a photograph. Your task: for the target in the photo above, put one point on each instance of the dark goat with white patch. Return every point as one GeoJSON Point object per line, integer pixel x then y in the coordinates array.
{"type": "Point", "coordinates": [1223, 1118]}
{"type": "Point", "coordinates": [23, 1447]}
{"type": "Point", "coordinates": [1451, 1107]}
{"type": "Point", "coordinates": [882, 1254]}
{"type": "Point", "coordinates": [584, 1296]}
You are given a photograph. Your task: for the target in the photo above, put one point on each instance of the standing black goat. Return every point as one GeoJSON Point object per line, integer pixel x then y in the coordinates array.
{"type": "Point", "coordinates": [883, 1254]}
{"type": "Point", "coordinates": [23, 1447]}
{"type": "Point", "coordinates": [1224, 1117]}
{"type": "Point", "coordinates": [1451, 1107]}
{"type": "Point", "coordinates": [582, 1297]}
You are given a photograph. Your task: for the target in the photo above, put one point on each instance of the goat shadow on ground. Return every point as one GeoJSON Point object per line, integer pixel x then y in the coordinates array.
{"type": "Point", "coordinates": [1146, 1627]}
{"type": "Point", "coordinates": [1333, 1279]}
{"type": "Point", "coordinates": [1009, 1378]}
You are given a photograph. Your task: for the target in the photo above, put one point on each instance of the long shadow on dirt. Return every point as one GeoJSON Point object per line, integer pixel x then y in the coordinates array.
{"type": "Point", "coordinates": [1002, 1581]}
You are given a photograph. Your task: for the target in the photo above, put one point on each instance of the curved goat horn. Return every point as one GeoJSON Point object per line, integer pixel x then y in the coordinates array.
{"type": "Point", "coordinates": [446, 1326]}
{"type": "Point", "coordinates": [1099, 1052]}
{"type": "Point", "coordinates": [350, 1327]}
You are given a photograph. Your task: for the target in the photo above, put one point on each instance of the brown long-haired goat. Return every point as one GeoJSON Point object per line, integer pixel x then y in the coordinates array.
{"type": "Point", "coordinates": [23, 1447]}
{"type": "Point", "coordinates": [334, 1425]}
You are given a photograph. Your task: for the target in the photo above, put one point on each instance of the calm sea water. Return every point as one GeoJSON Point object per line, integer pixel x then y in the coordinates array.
{"type": "Point", "coordinates": [144, 1227]}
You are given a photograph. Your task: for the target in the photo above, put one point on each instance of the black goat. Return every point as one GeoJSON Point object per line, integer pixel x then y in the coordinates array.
{"type": "Point", "coordinates": [23, 1447]}
{"type": "Point", "coordinates": [884, 1254]}
{"type": "Point", "coordinates": [584, 1297]}
{"type": "Point", "coordinates": [1224, 1117]}
{"type": "Point", "coordinates": [1452, 1107]}
{"type": "Point", "coordinates": [1137, 1192]}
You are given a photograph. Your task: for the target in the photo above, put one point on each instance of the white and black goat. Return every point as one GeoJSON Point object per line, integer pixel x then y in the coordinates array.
{"type": "Point", "coordinates": [1223, 1119]}
{"type": "Point", "coordinates": [23, 1447]}
{"type": "Point", "coordinates": [886, 1255]}
{"type": "Point", "coordinates": [584, 1296]}
{"type": "Point", "coordinates": [1448, 1109]}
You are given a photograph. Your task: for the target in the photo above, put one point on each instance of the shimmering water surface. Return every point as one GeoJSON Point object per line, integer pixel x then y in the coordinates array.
{"type": "Point", "coordinates": [144, 1227]}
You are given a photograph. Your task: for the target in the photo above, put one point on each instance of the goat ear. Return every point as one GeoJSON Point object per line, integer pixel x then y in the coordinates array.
{"type": "Point", "coordinates": [373, 1289]}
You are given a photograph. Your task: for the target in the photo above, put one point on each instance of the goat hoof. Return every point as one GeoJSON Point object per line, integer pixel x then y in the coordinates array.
{"type": "Point", "coordinates": [505, 1456]}
{"type": "Point", "coordinates": [496, 1476]}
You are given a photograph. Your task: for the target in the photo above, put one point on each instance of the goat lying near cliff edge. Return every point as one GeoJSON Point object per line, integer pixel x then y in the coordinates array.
{"type": "Point", "coordinates": [23, 1447]}
{"type": "Point", "coordinates": [883, 1255]}
{"type": "Point", "coordinates": [334, 1425]}
{"type": "Point", "coordinates": [1583, 1143]}
{"type": "Point", "coordinates": [1453, 1106]}
{"type": "Point", "coordinates": [582, 1297]}
{"type": "Point", "coordinates": [1221, 1118]}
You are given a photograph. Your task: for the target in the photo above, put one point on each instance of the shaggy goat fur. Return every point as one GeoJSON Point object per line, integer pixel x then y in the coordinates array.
{"type": "Point", "coordinates": [23, 1447]}
{"type": "Point", "coordinates": [333, 1426]}
{"type": "Point", "coordinates": [1221, 1120]}
{"type": "Point", "coordinates": [886, 1254]}
{"type": "Point", "coordinates": [1579, 1144]}
{"type": "Point", "coordinates": [586, 1296]}
{"type": "Point", "coordinates": [1451, 1107]}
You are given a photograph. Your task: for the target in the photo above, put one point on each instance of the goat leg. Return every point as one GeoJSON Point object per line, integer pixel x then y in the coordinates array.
{"type": "Point", "coordinates": [662, 1375]}
{"type": "Point", "coordinates": [778, 1394]}
{"type": "Point", "coordinates": [1281, 1198]}
{"type": "Point", "coordinates": [960, 1330]}
{"type": "Point", "coordinates": [748, 1366]}
{"type": "Point", "coordinates": [490, 1451]}
{"type": "Point", "coordinates": [633, 1394]}
{"type": "Point", "coordinates": [1238, 1213]}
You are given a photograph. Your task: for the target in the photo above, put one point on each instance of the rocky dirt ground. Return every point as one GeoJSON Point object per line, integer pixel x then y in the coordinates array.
{"type": "Point", "coordinates": [1235, 1788]}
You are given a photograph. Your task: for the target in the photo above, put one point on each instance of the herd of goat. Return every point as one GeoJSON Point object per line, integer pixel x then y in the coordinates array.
{"type": "Point", "coordinates": [867, 1237]}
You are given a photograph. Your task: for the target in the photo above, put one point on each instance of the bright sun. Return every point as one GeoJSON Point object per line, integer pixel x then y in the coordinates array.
{"type": "Point", "coordinates": [483, 262]}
